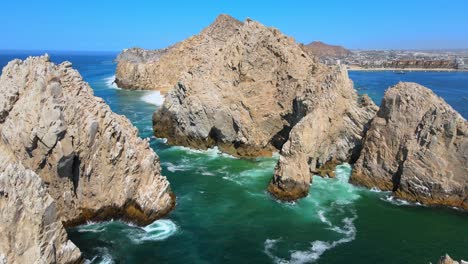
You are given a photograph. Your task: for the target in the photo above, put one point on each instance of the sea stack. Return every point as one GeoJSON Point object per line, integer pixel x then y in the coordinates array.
{"type": "Point", "coordinates": [417, 147]}
{"type": "Point", "coordinates": [90, 160]}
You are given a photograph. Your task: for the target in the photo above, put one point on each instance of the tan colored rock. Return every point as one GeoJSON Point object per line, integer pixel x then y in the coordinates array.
{"type": "Point", "coordinates": [161, 69]}
{"type": "Point", "coordinates": [243, 99]}
{"type": "Point", "coordinates": [330, 134]}
{"type": "Point", "coordinates": [417, 147]}
{"type": "Point", "coordinates": [448, 260]}
{"type": "Point", "coordinates": [247, 97]}
{"type": "Point", "coordinates": [91, 160]}
{"type": "Point", "coordinates": [31, 230]}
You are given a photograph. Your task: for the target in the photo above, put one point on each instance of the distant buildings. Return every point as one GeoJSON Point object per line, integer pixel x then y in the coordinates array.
{"type": "Point", "coordinates": [402, 59]}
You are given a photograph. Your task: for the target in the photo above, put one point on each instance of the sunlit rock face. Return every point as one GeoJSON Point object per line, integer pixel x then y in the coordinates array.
{"type": "Point", "coordinates": [417, 147]}
{"type": "Point", "coordinates": [91, 160]}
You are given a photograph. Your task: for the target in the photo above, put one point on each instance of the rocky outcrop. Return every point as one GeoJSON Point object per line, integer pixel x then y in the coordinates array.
{"type": "Point", "coordinates": [417, 147]}
{"type": "Point", "coordinates": [30, 225]}
{"type": "Point", "coordinates": [257, 91]}
{"type": "Point", "coordinates": [322, 50]}
{"type": "Point", "coordinates": [448, 260]}
{"type": "Point", "coordinates": [91, 160]}
{"type": "Point", "coordinates": [161, 69]}
{"type": "Point", "coordinates": [330, 134]}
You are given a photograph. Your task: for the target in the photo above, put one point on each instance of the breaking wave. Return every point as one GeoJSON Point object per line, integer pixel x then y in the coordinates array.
{"type": "Point", "coordinates": [110, 82]}
{"type": "Point", "coordinates": [332, 199]}
{"type": "Point", "coordinates": [153, 97]}
{"type": "Point", "coordinates": [156, 231]}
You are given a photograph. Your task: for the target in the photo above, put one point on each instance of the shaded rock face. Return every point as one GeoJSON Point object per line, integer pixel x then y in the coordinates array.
{"type": "Point", "coordinates": [30, 225]}
{"type": "Point", "coordinates": [161, 69]}
{"type": "Point", "coordinates": [417, 147]}
{"type": "Point", "coordinates": [91, 160]}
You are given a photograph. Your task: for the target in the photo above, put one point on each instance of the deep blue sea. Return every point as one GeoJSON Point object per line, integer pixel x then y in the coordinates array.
{"type": "Point", "coordinates": [224, 215]}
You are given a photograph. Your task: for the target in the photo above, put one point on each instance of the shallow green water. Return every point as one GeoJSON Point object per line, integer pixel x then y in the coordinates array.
{"type": "Point", "coordinates": [224, 215]}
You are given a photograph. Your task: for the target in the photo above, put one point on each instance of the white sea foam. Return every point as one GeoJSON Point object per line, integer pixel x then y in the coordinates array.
{"type": "Point", "coordinates": [110, 82]}
{"type": "Point", "coordinates": [153, 97]}
{"type": "Point", "coordinates": [332, 200]}
{"type": "Point", "coordinates": [318, 247]}
{"type": "Point", "coordinates": [395, 201]}
{"type": "Point", "coordinates": [156, 231]}
{"type": "Point", "coordinates": [213, 152]}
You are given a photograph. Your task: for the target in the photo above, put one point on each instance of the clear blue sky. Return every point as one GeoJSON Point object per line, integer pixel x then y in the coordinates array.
{"type": "Point", "coordinates": [114, 25]}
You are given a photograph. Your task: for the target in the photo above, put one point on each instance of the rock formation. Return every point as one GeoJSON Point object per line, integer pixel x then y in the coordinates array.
{"type": "Point", "coordinates": [161, 69]}
{"type": "Point", "coordinates": [91, 160]}
{"type": "Point", "coordinates": [417, 147]}
{"type": "Point", "coordinates": [30, 225]}
{"type": "Point", "coordinates": [249, 93]}
{"type": "Point", "coordinates": [448, 260]}
{"type": "Point", "coordinates": [322, 50]}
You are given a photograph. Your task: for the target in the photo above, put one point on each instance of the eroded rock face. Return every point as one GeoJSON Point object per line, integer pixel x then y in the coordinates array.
{"type": "Point", "coordinates": [243, 99]}
{"type": "Point", "coordinates": [330, 134]}
{"type": "Point", "coordinates": [417, 147]}
{"type": "Point", "coordinates": [258, 91]}
{"type": "Point", "coordinates": [161, 69]}
{"type": "Point", "coordinates": [92, 161]}
{"type": "Point", "coordinates": [30, 224]}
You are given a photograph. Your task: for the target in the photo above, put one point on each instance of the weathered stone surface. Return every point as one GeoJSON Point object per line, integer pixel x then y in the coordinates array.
{"type": "Point", "coordinates": [330, 134]}
{"type": "Point", "coordinates": [92, 161]}
{"type": "Point", "coordinates": [448, 260]}
{"type": "Point", "coordinates": [417, 147]}
{"type": "Point", "coordinates": [31, 230]}
{"type": "Point", "coordinates": [249, 93]}
{"type": "Point", "coordinates": [161, 69]}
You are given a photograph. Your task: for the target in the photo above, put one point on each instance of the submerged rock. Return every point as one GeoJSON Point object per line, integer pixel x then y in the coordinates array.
{"type": "Point", "coordinates": [417, 147]}
{"type": "Point", "coordinates": [31, 230]}
{"type": "Point", "coordinates": [91, 160]}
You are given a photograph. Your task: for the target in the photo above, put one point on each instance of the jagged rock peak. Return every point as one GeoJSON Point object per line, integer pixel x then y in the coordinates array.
{"type": "Point", "coordinates": [222, 27]}
{"type": "Point", "coordinates": [95, 165]}
{"type": "Point", "coordinates": [417, 147]}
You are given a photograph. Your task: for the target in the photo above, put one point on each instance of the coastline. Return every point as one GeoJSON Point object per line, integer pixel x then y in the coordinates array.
{"type": "Point", "coordinates": [351, 68]}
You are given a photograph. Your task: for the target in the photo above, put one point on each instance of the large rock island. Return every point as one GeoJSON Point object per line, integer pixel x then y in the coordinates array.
{"type": "Point", "coordinates": [417, 147]}
{"type": "Point", "coordinates": [252, 91]}
{"type": "Point", "coordinates": [67, 158]}
{"type": "Point", "coordinates": [248, 90]}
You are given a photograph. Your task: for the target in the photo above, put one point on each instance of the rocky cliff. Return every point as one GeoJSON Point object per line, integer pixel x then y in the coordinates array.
{"type": "Point", "coordinates": [161, 69]}
{"type": "Point", "coordinates": [417, 147]}
{"type": "Point", "coordinates": [249, 94]}
{"type": "Point", "coordinates": [30, 225]}
{"type": "Point", "coordinates": [91, 160]}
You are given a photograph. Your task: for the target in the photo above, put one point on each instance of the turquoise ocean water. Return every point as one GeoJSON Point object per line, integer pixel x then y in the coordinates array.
{"type": "Point", "coordinates": [224, 215]}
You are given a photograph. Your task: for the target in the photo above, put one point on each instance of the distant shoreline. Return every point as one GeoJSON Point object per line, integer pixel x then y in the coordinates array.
{"type": "Point", "coordinates": [354, 68]}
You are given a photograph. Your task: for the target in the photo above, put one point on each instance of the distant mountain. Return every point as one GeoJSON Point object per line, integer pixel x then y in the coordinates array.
{"type": "Point", "coordinates": [321, 50]}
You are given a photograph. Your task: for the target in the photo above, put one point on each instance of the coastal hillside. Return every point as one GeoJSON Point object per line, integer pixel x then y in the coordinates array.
{"type": "Point", "coordinates": [323, 50]}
